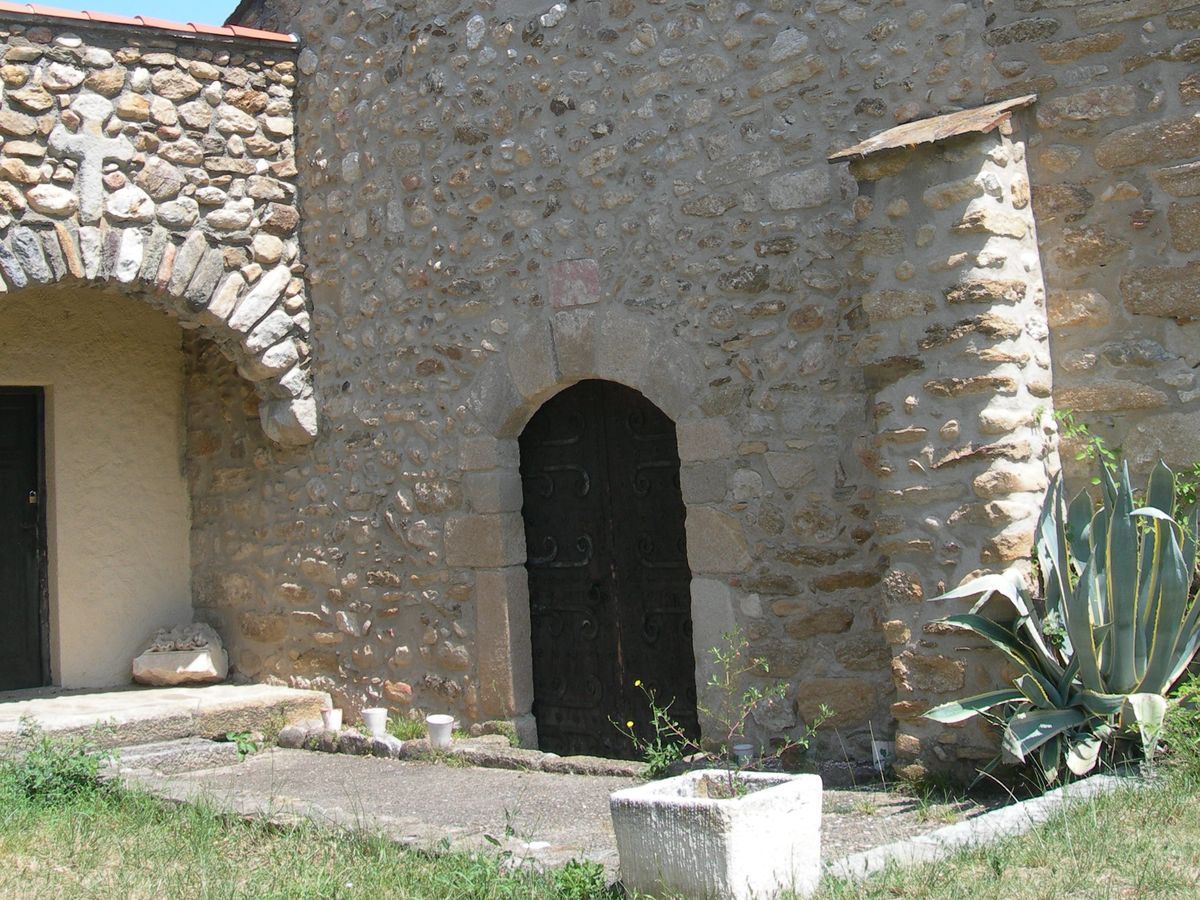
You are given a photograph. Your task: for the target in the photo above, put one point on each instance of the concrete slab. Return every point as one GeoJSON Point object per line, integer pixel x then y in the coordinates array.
{"type": "Point", "coordinates": [144, 715]}
{"type": "Point", "coordinates": [540, 817]}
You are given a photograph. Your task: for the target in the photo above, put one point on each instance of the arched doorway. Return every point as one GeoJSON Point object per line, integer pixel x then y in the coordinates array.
{"type": "Point", "coordinates": [609, 583]}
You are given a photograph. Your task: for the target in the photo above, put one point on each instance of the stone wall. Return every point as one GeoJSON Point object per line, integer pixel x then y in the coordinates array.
{"type": "Point", "coordinates": [500, 199]}
{"type": "Point", "coordinates": [958, 359]}
{"type": "Point", "coordinates": [162, 164]}
{"type": "Point", "coordinates": [1116, 184]}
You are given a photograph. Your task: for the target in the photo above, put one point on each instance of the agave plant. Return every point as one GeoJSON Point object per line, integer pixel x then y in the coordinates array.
{"type": "Point", "coordinates": [1116, 625]}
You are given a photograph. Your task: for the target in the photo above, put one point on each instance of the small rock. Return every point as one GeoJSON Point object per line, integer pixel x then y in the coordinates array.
{"type": "Point", "coordinates": [268, 249]}
{"type": "Point", "coordinates": [553, 15]}
{"type": "Point", "coordinates": [181, 213]}
{"type": "Point", "coordinates": [386, 747]}
{"type": "Point", "coordinates": [354, 743]}
{"type": "Point", "coordinates": [174, 84]}
{"type": "Point", "coordinates": [307, 61]}
{"type": "Point", "coordinates": [291, 737]}
{"type": "Point", "coordinates": [61, 77]}
{"type": "Point", "coordinates": [475, 31]}
{"type": "Point", "coordinates": [133, 107]}
{"type": "Point", "coordinates": [130, 204]}
{"type": "Point", "coordinates": [50, 200]}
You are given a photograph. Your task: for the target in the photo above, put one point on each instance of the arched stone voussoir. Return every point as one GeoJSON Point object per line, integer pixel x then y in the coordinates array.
{"type": "Point", "coordinates": [547, 356]}
{"type": "Point", "coordinates": [261, 325]}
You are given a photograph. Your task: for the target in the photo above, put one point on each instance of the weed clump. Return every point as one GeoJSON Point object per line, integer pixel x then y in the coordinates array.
{"type": "Point", "coordinates": [50, 770]}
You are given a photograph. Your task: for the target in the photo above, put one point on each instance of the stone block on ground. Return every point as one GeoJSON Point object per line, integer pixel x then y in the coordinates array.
{"type": "Point", "coordinates": [188, 654]}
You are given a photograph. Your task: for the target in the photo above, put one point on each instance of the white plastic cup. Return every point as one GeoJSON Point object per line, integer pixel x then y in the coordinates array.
{"type": "Point", "coordinates": [331, 719]}
{"type": "Point", "coordinates": [439, 727]}
{"type": "Point", "coordinates": [375, 718]}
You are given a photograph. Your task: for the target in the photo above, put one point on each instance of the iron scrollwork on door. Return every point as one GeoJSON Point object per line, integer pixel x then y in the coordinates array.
{"type": "Point", "coordinates": [608, 576]}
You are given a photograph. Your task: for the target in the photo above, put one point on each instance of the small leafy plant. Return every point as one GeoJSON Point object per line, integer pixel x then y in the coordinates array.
{"type": "Point", "coordinates": [405, 728]}
{"type": "Point", "coordinates": [737, 700]}
{"type": "Point", "coordinates": [246, 741]}
{"type": "Point", "coordinates": [53, 770]}
{"type": "Point", "coordinates": [1115, 627]}
{"type": "Point", "coordinates": [1094, 448]}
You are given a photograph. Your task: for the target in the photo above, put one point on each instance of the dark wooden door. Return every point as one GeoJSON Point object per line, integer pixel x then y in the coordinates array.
{"type": "Point", "coordinates": [22, 661]}
{"type": "Point", "coordinates": [609, 584]}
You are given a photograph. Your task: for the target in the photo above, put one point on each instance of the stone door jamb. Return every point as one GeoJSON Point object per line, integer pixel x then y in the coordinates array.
{"type": "Point", "coordinates": [548, 355]}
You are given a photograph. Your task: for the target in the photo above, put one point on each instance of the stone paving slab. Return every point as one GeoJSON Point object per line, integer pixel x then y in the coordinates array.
{"type": "Point", "coordinates": [540, 816]}
{"type": "Point", "coordinates": [145, 715]}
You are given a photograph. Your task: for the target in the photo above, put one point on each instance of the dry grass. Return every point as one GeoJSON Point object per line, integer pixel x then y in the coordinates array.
{"type": "Point", "coordinates": [1134, 843]}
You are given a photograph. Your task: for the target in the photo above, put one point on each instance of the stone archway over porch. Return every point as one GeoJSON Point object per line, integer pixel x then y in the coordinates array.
{"type": "Point", "coordinates": [160, 162]}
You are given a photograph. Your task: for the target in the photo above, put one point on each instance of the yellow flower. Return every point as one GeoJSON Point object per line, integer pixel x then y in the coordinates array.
{"type": "Point", "coordinates": [629, 724]}
{"type": "Point", "coordinates": [637, 682]}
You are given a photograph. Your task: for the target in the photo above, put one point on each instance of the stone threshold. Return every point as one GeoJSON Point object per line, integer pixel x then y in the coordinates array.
{"type": "Point", "coordinates": [490, 751]}
{"type": "Point", "coordinates": [981, 830]}
{"type": "Point", "coordinates": [126, 716]}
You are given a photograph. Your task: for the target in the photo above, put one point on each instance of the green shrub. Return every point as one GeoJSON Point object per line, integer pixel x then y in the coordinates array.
{"type": "Point", "coordinates": [736, 697]}
{"type": "Point", "coordinates": [52, 770]}
{"type": "Point", "coordinates": [579, 880]}
{"type": "Point", "coordinates": [1181, 729]}
{"type": "Point", "coordinates": [1114, 629]}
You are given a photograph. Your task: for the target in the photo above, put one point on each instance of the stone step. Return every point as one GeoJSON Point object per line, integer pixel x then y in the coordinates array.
{"type": "Point", "coordinates": [172, 757]}
{"type": "Point", "coordinates": [130, 716]}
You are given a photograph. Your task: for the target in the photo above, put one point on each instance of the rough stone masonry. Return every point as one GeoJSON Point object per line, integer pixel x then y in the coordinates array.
{"type": "Point", "coordinates": [164, 166]}
{"type": "Point", "coordinates": [498, 199]}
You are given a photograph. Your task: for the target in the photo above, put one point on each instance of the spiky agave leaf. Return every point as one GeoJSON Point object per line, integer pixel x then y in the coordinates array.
{"type": "Point", "coordinates": [961, 710]}
{"type": "Point", "coordinates": [1083, 754]}
{"type": "Point", "coordinates": [1149, 711]}
{"type": "Point", "coordinates": [1026, 731]}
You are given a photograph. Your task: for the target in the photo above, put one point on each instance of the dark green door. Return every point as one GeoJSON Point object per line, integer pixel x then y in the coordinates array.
{"type": "Point", "coordinates": [22, 546]}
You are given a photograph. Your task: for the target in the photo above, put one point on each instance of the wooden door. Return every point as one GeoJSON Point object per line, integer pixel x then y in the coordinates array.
{"type": "Point", "coordinates": [609, 584]}
{"type": "Point", "coordinates": [22, 542]}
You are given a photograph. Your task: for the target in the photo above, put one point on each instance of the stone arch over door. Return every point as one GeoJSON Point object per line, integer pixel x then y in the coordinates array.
{"type": "Point", "coordinates": [548, 355]}
{"type": "Point", "coordinates": [188, 281]}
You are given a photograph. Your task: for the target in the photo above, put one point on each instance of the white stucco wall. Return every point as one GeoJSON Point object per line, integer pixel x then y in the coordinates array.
{"type": "Point", "coordinates": [118, 501]}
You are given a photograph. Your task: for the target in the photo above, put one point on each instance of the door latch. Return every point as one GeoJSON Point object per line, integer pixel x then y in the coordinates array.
{"type": "Point", "coordinates": [33, 498]}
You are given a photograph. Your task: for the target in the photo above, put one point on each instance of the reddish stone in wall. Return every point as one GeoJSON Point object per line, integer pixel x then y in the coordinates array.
{"type": "Point", "coordinates": [574, 282]}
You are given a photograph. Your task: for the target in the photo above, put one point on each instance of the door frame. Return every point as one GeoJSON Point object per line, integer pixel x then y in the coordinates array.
{"type": "Point", "coordinates": [43, 562]}
{"type": "Point", "coordinates": [486, 539]}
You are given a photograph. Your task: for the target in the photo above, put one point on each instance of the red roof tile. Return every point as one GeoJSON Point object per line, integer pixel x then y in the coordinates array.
{"type": "Point", "coordinates": [53, 12]}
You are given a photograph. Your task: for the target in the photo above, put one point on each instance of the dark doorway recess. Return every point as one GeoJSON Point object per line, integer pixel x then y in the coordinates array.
{"type": "Point", "coordinates": [23, 607]}
{"type": "Point", "coordinates": [609, 584]}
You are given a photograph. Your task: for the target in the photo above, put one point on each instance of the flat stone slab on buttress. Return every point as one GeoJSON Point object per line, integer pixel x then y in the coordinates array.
{"type": "Point", "coordinates": [540, 816]}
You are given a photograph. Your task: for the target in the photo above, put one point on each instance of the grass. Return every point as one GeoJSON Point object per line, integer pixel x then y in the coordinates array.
{"type": "Point", "coordinates": [1132, 843]}
{"type": "Point", "coordinates": [116, 843]}
{"type": "Point", "coordinates": [405, 729]}
{"type": "Point", "coordinates": [61, 835]}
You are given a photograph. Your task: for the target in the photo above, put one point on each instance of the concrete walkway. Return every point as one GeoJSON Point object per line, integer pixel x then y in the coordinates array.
{"type": "Point", "coordinates": [142, 715]}
{"type": "Point", "coordinates": [538, 816]}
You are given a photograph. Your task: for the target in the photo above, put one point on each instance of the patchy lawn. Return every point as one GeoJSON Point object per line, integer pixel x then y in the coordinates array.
{"type": "Point", "coordinates": [73, 840]}
{"type": "Point", "coordinates": [1133, 843]}
{"type": "Point", "coordinates": [121, 844]}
